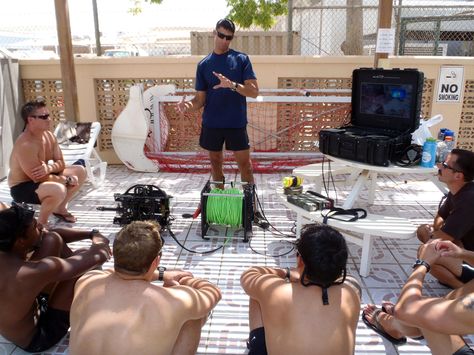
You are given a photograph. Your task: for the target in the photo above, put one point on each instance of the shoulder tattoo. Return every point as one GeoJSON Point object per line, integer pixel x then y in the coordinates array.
{"type": "Point", "coordinates": [468, 302]}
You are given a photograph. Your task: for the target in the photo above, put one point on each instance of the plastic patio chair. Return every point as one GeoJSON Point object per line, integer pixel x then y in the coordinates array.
{"type": "Point", "coordinates": [83, 153]}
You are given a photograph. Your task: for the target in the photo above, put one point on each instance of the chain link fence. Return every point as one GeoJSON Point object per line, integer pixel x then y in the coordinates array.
{"type": "Point", "coordinates": [182, 27]}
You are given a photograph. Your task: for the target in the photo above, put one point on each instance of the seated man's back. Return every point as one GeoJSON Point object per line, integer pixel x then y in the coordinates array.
{"type": "Point", "coordinates": [119, 312]}
{"type": "Point", "coordinates": [305, 314]}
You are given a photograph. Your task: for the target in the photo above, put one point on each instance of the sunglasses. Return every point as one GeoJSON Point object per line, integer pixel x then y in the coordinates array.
{"type": "Point", "coordinates": [446, 166]}
{"type": "Point", "coordinates": [222, 36]}
{"type": "Point", "coordinates": [41, 117]}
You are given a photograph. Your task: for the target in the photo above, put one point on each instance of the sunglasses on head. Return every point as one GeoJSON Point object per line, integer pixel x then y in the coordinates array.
{"type": "Point", "coordinates": [41, 117]}
{"type": "Point", "coordinates": [446, 166]}
{"type": "Point", "coordinates": [222, 36]}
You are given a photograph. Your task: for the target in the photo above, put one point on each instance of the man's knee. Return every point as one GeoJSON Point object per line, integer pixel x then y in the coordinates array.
{"type": "Point", "coordinates": [53, 191]}
{"type": "Point", "coordinates": [423, 233]}
{"type": "Point", "coordinates": [80, 172]}
{"type": "Point", "coordinates": [216, 158]}
{"type": "Point", "coordinates": [52, 242]}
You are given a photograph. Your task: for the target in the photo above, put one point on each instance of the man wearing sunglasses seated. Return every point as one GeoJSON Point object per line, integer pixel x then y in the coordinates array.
{"type": "Point", "coordinates": [455, 218]}
{"type": "Point", "coordinates": [38, 275]}
{"type": "Point", "coordinates": [223, 81]}
{"type": "Point", "coordinates": [38, 173]}
{"type": "Point", "coordinates": [309, 309]}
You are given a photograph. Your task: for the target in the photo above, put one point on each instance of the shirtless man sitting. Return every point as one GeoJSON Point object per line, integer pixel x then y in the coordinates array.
{"type": "Point", "coordinates": [38, 275]}
{"type": "Point", "coordinates": [288, 316]}
{"type": "Point", "coordinates": [38, 173]}
{"type": "Point", "coordinates": [121, 311]}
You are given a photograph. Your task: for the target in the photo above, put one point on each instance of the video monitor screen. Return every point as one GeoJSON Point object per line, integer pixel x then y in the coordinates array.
{"type": "Point", "coordinates": [386, 99]}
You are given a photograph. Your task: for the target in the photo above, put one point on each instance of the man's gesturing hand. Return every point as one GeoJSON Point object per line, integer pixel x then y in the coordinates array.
{"type": "Point", "coordinates": [224, 82]}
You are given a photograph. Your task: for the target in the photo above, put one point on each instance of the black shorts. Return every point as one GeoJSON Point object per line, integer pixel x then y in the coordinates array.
{"type": "Point", "coordinates": [25, 192]}
{"type": "Point", "coordinates": [467, 273]}
{"type": "Point", "coordinates": [465, 350]}
{"type": "Point", "coordinates": [52, 326]}
{"type": "Point", "coordinates": [256, 344]}
{"type": "Point", "coordinates": [213, 139]}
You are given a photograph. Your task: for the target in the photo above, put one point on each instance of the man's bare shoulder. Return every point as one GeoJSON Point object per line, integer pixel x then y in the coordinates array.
{"type": "Point", "coordinates": [50, 136]}
{"type": "Point", "coordinates": [353, 285]}
{"type": "Point", "coordinates": [25, 145]}
{"type": "Point", "coordinates": [93, 275]}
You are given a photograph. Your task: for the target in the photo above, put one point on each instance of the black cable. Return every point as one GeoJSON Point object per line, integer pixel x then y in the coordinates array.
{"type": "Point", "coordinates": [273, 256]}
{"type": "Point", "coordinates": [283, 235]}
{"type": "Point", "coordinates": [170, 232]}
{"type": "Point", "coordinates": [172, 235]}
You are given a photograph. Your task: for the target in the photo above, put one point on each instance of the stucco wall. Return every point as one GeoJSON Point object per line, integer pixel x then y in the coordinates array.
{"type": "Point", "coordinates": [268, 69]}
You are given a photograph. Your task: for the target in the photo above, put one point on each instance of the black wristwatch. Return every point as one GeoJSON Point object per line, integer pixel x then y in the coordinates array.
{"type": "Point", "coordinates": [419, 262]}
{"type": "Point", "coordinates": [92, 232]}
{"type": "Point", "coordinates": [161, 273]}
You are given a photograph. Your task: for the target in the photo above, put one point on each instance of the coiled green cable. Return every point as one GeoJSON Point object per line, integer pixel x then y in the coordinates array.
{"type": "Point", "coordinates": [225, 210]}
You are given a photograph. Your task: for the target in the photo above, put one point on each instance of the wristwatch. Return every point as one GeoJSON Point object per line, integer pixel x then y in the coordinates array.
{"type": "Point", "coordinates": [235, 86]}
{"type": "Point", "coordinates": [419, 262]}
{"type": "Point", "coordinates": [92, 232]}
{"type": "Point", "coordinates": [161, 273]}
{"type": "Point", "coordinates": [68, 180]}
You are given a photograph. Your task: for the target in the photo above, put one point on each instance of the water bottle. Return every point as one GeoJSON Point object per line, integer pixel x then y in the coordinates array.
{"type": "Point", "coordinates": [441, 134]}
{"type": "Point", "coordinates": [441, 150]}
{"type": "Point", "coordinates": [449, 133]}
{"type": "Point", "coordinates": [428, 158]}
{"type": "Point", "coordinates": [449, 141]}
{"type": "Point", "coordinates": [448, 146]}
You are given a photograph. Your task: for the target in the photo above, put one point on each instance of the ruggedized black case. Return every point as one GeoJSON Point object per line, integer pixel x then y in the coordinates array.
{"type": "Point", "coordinates": [386, 106]}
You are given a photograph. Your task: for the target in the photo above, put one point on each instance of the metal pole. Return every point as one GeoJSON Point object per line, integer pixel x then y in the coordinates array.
{"type": "Point", "coordinates": [289, 45]}
{"type": "Point", "coordinates": [98, 47]}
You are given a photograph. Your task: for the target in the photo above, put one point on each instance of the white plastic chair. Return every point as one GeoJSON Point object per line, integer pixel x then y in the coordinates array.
{"type": "Point", "coordinates": [72, 152]}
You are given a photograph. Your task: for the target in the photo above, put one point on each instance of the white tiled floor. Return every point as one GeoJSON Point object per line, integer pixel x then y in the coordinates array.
{"type": "Point", "coordinates": [227, 329]}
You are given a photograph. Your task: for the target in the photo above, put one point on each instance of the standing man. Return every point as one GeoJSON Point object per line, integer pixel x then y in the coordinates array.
{"type": "Point", "coordinates": [223, 80]}
{"type": "Point", "coordinates": [38, 275]}
{"type": "Point", "coordinates": [38, 173]}
{"type": "Point", "coordinates": [455, 218]}
{"type": "Point", "coordinates": [121, 311]}
{"type": "Point", "coordinates": [310, 309]}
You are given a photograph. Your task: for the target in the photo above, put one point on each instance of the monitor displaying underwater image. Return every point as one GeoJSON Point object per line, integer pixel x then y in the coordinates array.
{"type": "Point", "coordinates": [394, 100]}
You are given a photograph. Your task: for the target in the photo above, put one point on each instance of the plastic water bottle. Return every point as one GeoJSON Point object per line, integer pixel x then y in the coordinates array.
{"type": "Point", "coordinates": [449, 141]}
{"type": "Point", "coordinates": [448, 146]}
{"type": "Point", "coordinates": [428, 158]}
{"type": "Point", "coordinates": [441, 151]}
{"type": "Point", "coordinates": [449, 133]}
{"type": "Point", "coordinates": [441, 134]}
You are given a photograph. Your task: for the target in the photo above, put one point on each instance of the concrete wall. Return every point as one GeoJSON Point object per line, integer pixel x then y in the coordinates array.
{"type": "Point", "coordinates": [267, 68]}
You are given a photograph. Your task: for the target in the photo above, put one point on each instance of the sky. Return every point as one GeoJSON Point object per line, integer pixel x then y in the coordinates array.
{"type": "Point", "coordinates": [113, 16]}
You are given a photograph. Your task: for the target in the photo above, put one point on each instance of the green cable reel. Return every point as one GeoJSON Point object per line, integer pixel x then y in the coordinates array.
{"type": "Point", "coordinates": [225, 209]}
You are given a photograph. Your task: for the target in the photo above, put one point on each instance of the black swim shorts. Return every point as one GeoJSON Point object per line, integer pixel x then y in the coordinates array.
{"type": "Point", "coordinates": [256, 344]}
{"type": "Point", "coordinates": [467, 273]}
{"type": "Point", "coordinates": [213, 139]}
{"type": "Point", "coordinates": [25, 192]}
{"type": "Point", "coordinates": [465, 350]}
{"type": "Point", "coordinates": [52, 326]}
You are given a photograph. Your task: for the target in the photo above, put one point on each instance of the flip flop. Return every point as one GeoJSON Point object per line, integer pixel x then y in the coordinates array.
{"type": "Point", "coordinates": [388, 308]}
{"type": "Point", "coordinates": [66, 217]}
{"type": "Point", "coordinates": [376, 327]}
